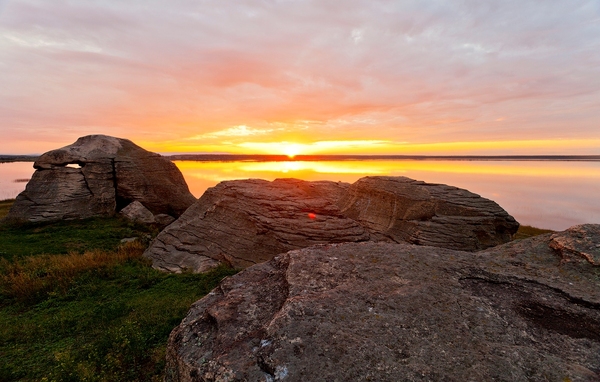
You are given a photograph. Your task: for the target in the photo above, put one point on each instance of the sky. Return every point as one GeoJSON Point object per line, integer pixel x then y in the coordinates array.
{"type": "Point", "coordinates": [441, 77]}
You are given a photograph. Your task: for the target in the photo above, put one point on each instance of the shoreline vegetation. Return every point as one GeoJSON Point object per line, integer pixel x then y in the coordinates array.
{"type": "Point", "coordinates": [328, 158]}
{"type": "Point", "coordinates": [76, 303]}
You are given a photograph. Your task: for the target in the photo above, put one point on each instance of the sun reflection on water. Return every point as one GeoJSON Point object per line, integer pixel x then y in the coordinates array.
{"type": "Point", "coordinates": [547, 194]}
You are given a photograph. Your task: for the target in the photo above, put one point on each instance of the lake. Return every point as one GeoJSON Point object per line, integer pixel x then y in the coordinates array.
{"type": "Point", "coordinates": [545, 194]}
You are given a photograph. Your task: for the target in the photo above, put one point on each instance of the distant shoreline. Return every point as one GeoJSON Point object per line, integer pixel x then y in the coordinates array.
{"type": "Point", "coordinates": [18, 158]}
{"type": "Point", "coordinates": [313, 158]}
{"type": "Point", "coordinates": [329, 158]}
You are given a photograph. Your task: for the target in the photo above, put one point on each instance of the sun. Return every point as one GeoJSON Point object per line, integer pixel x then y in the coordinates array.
{"type": "Point", "coordinates": [291, 149]}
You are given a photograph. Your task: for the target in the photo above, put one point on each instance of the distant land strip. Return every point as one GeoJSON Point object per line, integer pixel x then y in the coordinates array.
{"type": "Point", "coordinates": [306, 158]}
{"type": "Point", "coordinates": [18, 158]}
{"type": "Point", "coordinates": [324, 158]}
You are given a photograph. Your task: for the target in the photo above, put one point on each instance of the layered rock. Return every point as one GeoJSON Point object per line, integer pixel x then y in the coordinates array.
{"type": "Point", "coordinates": [249, 221]}
{"type": "Point", "coordinates": [99, 175]}
{"type": "Point", "coordinates": [244, 222]}
{"type": "Point", "coordinates": [399, 312]}
{"type": "Point", "coordinates": [406, 210]}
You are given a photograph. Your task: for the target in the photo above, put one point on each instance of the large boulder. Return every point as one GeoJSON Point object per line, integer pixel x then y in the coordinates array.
{"type": "Point", "coordinates": [369, 311]}
{"type": "Point", "coordinates": [406, 210]}
{"type": "Point", "coordinates": [99, 175]}
{"type": "Point", "coordinates": [245, 222]}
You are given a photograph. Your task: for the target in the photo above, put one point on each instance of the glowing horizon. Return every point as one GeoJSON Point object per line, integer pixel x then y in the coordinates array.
{"type": "Point", "coordinates": [381, 147]}
{"type": "Point", "coordinates": [303, 77]}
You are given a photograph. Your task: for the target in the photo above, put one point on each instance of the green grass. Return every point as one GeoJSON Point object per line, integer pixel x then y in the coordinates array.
{"type": "Point", "coordinates": [98, 313]}
{"type": "Point", "coordinates": [112, 324]}
{"type": "Point", "coordinates": [526, 231]}
{"type": "Point", "coordinates": [5, 207]}
{"type": "Point", "coordinates": [18, 240]}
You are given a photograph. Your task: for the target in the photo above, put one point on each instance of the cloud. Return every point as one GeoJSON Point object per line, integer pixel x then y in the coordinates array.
{"type": "Point", "coordinates": [232, 132]}
{"type": "Point", "coordinates": [423, 71]}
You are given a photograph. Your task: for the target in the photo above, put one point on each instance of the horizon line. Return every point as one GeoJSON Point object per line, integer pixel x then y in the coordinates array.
{"type": "Point", "coordinates": [224, 157]}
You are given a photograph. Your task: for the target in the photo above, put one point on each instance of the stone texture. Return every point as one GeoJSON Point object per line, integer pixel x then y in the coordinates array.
{"type": "Point", "coordinates": [244, 222]}
{"type": "Point", "coordinates": [405, 210]}
{"type": "Point", "coordinates": [164, 219]}
{"type": "Point", "coordinates": [398, 312]}
{"type": "Point", "coordinates": [581, 244]}
{"type": "Point", "coordinates": [249, 221]}
{"type": "Point", "coordinates": [99, 175]}
{"type": "Point", "coordinates": [137, 212]}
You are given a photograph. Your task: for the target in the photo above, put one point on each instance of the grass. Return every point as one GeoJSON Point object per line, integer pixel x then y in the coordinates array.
{"type": "Point", "coordinates": [5, 206]}
{"type": "Point", "coordinates": [19, 240]}
{"type": "Point", "coordinates": [526, 231]}
{"type": "Point", "coordinates": [97, 313]}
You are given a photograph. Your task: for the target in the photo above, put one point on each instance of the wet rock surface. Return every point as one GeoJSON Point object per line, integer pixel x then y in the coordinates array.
{"type": "Point", "coordinates": [99, 175]}
{"type": "Point", "coordinates": [246, 222]}
{"type": "Point", "coordinates": [399, 312]}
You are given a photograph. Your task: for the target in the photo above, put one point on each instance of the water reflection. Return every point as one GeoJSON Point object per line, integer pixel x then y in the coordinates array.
{"type": "Point", "coordinates": [545, 194]}
{"type": "Point", "coordinates": [13, 178]}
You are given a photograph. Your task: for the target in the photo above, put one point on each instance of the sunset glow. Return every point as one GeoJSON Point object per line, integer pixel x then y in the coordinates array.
{"type": "Point", "coordinates": [382, 147]}
{"type": "Point", "coordinates": [303, 77]}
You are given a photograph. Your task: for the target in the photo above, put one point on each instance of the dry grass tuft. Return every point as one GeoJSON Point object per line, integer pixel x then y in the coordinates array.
{"type": "Point", "coordinates": [31, 277]}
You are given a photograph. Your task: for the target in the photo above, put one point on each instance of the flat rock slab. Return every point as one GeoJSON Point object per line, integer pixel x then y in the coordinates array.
{"type": "Point", "coordinates": [246, 222]}
{"type": "Point", "coordinates": [397, 312]}
{"type": "Point", "coordinates": [99, 175]}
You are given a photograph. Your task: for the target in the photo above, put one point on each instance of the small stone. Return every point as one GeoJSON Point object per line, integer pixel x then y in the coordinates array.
{"type": "Point", "coordinates": [136, 211]}
{"type": "Point", "coordinates": [164, 219]}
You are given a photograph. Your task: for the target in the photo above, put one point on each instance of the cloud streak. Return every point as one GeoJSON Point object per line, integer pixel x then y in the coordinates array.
{"type": "Point", "coordinates": [423, 72]}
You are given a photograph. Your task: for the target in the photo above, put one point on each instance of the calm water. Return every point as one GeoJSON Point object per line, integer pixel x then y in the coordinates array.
{"type": "Point", "coordinates": [546, 194]}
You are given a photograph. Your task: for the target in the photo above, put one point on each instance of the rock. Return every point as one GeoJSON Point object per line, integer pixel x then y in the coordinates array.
{"type": "Point", "coordinates": [578, 243]}
{"type": "Point", "coordinates": [398, 312]}
{"type": "Point", "coordinates": [164, 220]}
{"type": "Point", "coordinates": [405, 210]}
{"type": "Point", "coordinates": [249, 221]}
{"type": "Point", "coordinates": [244, 222]}
{"type": "Point", "coordinates": [137, 212]}
{"type": "Point", "coordinates": [98, 176]}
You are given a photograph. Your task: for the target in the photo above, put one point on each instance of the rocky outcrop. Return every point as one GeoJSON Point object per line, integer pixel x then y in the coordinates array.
{"type": "Point", "coordinates": [98, 176]}
{"type": "Point", "coordinates": [244, 222]}
{"type": "Point", "coordinates": [249, 221]}
{"type": "Point", "coordinates": [399, 312]}
{"type": "Point", "coordinates": [406, 210]}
